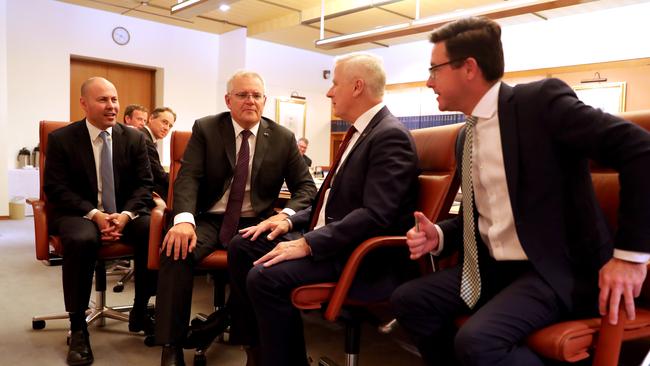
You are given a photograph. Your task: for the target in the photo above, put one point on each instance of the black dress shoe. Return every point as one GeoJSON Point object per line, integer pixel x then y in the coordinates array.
{"type": "Point", "coordinates": [203, 334]}
{"type": "Point", "coordinates": [141, 321]}
{"type": "Point", "coordinates": [79, 352]}
{"type": "Point", "coordinates": [172, 356]}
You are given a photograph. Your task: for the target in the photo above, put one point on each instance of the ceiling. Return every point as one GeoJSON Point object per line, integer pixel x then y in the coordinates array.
{"type": "Point", "coordinates": [296, 23]}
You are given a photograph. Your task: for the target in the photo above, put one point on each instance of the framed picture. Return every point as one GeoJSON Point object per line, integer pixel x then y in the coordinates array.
{"type": "Point", "coordinates": [610, 97]}
{"type": "Point", "coordinates": [292, 114]}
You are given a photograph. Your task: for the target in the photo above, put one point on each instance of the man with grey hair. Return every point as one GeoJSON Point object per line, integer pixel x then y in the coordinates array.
{"type": "Point", "coordinates": [303, 143]}
{"type": "Point", "coordinates": [370, 191]}
{"type": "Point", "coordinates": [232, 171]}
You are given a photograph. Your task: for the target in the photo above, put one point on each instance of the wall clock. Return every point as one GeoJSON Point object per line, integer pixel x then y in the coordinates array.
{"type": "Point", "coordinates": [121, 36]}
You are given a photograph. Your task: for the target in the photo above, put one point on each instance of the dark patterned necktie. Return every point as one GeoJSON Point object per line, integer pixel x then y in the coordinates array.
{"type": "Point", "coordinates": [328, 180]}
{"type": "Point", "coordinates": [106, 172]}
{"type": "Point", "coordinates": [470, 285]}
{"type": "Point", "coordinates": [237, 188]}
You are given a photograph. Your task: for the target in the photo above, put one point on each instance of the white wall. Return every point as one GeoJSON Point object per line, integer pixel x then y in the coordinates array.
{"type": "Point", "coordinates": [43, 34]}
{"type": "Point", "coordinates": [3, 110]}
{"type": "Point", "coordinates": [287, 69]}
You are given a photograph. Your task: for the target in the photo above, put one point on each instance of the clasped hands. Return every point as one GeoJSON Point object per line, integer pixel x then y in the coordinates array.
{"type": "Point", "coordinates": [110, 225]}
{"type": "Point", "coordinates": [617, 278]}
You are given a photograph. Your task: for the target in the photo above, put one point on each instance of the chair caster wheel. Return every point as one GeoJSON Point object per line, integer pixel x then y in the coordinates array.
{"type": "Point", "coordinates": [118, 288]}
{"type": "Point", "coordinates": [200, 360]}
{"type": "Point", "coordinates": [150, 341]}
{"type": "Point", "coordinates": [38, 324]}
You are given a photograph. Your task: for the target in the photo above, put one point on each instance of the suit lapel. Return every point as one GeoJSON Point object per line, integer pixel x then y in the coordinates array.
{"type": "Point", "coordinates": [261, 145]}
{"type": "Point", "coordinates": [509, 142]}
{"type": "Point", "coordinates": [119, 151]}
{"type": "Point", "coordinates": [228, 137]}
{"type": "Point", "coordinates": [86, 155]}
{"type": "Point", "coordinates": [379, 116]}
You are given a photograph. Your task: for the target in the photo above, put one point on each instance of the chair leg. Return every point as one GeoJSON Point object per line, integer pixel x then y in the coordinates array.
{"type": "Point", "coordinates": [99, 311]}
{"type": "Point", "coordinates": [352, 342]}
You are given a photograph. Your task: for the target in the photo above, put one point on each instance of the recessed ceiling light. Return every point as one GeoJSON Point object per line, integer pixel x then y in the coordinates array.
{"type": "Point", "coordinates": [224, 7]}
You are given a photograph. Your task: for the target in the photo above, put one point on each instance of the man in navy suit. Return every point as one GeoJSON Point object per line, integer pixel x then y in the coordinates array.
{"type": "Point", "coordinates": [534, 244]}
{"type": "Point", "coordinates": [160, 123]}
{"type": "Point", "coordinates": [83, 215]}
{"type": "Point", "coordinates": [371, 193]}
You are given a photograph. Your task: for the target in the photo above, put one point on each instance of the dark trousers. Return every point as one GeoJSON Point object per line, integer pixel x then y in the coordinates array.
{"type": "Point", "coordinates": [514, 302]}
{"type": "Point", "coordinates": [176, 279]}
{"type": "Point", "coordinates": [260, 300]}
{"type": "Point", "coordinates": [81, 241]}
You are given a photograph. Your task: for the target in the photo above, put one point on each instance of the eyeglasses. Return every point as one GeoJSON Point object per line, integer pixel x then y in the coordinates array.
{"type": "Point", "coordinates": [434, 69]}
{"type": "Point", "coordinates": [244, 96]}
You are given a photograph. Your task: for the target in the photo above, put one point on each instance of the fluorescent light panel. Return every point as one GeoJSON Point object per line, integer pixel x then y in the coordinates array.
{"type": "Point", "coordinates": [191, 8]}
{"type": "Point", "coordinates": [493, 11]}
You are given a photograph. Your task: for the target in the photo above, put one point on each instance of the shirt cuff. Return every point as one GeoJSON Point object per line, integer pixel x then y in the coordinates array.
{"type": "Point", "coordinates": [288, 211]}
{"type": "Point", "coordinates": [290, 225]}
{"type": "Point", "coordinates": [92, 213]}
{"type": "Point", "coordinates": [630, 256]}
{"type": "Point", "coordinates": [184, 217]}
{"type": "Point", "coordinates": [130, 214]}
{"type": "Point", "coordinates": [441, 241]}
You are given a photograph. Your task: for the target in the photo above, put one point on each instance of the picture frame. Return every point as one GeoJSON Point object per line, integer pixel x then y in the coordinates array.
{"type": "Point", "coordinates": [610, 97]}
{"type": "Point", "coordinates": [292, 114]}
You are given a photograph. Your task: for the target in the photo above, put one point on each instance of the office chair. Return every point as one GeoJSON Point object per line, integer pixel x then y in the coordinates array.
{"type": "Point", "coordinates": [49, 246]}
{"type": "Point", "coordinates": [438, 184]}
{"type": "Point", "coordinates": [575, 340]}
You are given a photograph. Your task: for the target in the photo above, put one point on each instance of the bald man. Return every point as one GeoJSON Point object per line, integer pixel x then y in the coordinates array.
{"type": "Point", "coordinates": [93, 202]}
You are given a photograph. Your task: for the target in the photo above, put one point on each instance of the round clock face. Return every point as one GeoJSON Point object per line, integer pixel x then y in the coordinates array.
{"type": "Point", "coordinates": [121, 36]}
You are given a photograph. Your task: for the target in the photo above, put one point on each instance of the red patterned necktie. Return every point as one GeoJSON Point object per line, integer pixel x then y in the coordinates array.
{"type": "Point", "coordinates": [237, 188]}
{"type": "Point", "coordinates": [328, 180]}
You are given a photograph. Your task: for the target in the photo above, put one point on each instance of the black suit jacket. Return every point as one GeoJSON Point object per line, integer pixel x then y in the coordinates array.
{"type": "Point", "coordinates": [307, 160]}
{"type": "Point", "coordinates": [547, 138]}
{"type": "Point", "coordinates": [70, 181]}
{"type": "Point", "coordinates": [209, 162]}
{"type": "Point", "coordinates": [160, 176]}
{"type": "Point", "coordinates": [374, 191]}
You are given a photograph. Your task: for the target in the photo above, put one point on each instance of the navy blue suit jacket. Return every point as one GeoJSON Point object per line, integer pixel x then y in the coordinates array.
{"type": "Point", "coordinates": [547, 138]}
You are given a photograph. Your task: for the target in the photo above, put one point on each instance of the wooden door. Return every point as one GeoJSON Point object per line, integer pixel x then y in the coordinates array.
{"type": "Point", "coordinates": [134, 85]}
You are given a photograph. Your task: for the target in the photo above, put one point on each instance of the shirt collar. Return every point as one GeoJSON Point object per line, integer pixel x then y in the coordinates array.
{"type": "Point", "coordinates": [151, 134]}
{"type": "Point", "coordinates": [239, 129]}
{"type": "Point", "coordinates": [487, 106]}
{"type": "Point", "coordinates": [94, 131]}
{"type": "Point", "coordinates": [364, 120]}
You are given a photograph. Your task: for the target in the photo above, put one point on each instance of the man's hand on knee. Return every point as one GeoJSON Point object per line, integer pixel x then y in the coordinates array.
{"type": "Point", "coordinates": [180, 240]}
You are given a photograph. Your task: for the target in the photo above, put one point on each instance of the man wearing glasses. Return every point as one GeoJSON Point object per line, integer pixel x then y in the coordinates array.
{"type": "Point", "coordinates": [160, 123]}
{"type": "Point", "coordinates": [232, 171]}
{"type": "Point", "coordinates": [534, 245]}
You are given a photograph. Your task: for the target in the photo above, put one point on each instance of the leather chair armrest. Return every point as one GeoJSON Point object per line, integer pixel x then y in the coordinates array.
{"type": "Point", "coordinates": [350, 270]}
{"type": "Point", "coordinates": [41, 236]}
{"type": "Point", "coordinates": [156, 229]}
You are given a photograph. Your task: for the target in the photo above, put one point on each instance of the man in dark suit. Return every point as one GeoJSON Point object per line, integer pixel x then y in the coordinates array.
{"type": "Point", "coordinates": [94, 198]}
{"type": "Point", "coordinates": [233, 169]}
{"type": "Point", "coordinates": [160, 123]}
{"type": "Point", "coordinates": [370, 191]}
{"type": "Point", "coordinates": [303, 143]}
{"type": "Point", "coordinates": [534, 244]}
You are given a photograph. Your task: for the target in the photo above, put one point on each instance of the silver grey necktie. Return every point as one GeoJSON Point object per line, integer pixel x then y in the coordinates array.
{"type": "Point", "coordinates": [106, 172]}
{"type": "Point", "coordinates": [470, 285]}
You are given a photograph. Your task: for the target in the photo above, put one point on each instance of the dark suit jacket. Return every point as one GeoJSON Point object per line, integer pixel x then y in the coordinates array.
{"type": "Point", "coordinates": [209, 162]}
{"type": "Point", "coordinates": [548, 137]}
{"type": "Point", "coordinates": [70, 181]}
{"type": "Point", "coordinates": [307, 160]}
{"type": "Point", "coordinates": [160, 176]}
{"type": "Point", "coordinates": [374, 191]}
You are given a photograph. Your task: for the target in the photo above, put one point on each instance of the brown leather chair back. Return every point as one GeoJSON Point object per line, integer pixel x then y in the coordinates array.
{"type": "Point", "coordinates": [45, 128]}
{"type": "Point", "coordinates": [437, 162]}
{"type": "Point", "coordinates": [178, 144]}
